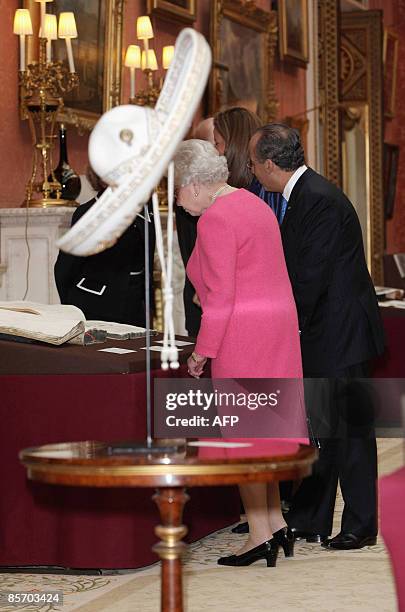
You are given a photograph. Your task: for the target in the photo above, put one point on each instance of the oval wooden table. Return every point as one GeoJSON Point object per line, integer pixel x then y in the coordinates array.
{"type": "Point", "coordinates": [90, 464]}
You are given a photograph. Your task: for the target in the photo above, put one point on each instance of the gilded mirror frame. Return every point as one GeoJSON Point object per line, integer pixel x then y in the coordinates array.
{"type": "Point", "coordinates": [361, 100]}
{"type": "Point", "coordinates": [81, 119]}
{"type": "Point", "coordinates": [351, 90]}
{"type": "Point", "coordinates": [261, 22]}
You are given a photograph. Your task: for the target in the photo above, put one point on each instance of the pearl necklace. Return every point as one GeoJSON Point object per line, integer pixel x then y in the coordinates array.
{"type": "Point", "coordinates": [218, 192]}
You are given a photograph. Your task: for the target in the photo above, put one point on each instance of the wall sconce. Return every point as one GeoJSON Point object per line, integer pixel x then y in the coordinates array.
{"type": "Point", "coordinates": [42, 86]}
{"type": "Point", "coordinates": [147, 62]}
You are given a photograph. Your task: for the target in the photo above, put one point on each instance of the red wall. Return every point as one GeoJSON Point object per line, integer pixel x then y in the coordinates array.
{"type": "Point", "coordinates": [289, 80]}
{"type": "Point", "coordinates": [15, 149]}
{"type": "Point", "coordinates": [15, 141]}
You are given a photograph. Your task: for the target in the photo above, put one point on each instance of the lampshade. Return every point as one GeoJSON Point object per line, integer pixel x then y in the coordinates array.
{"type": "Point", "coordinates": [133, 57]}
{"type": "Point", "coordinates": [22, 22]}
{"type": "Point", "coordinates": [143, 28]}
{"type": "Point", "coordinates": [50, 28]}
{"type": "Point", "coordinates": [167, 56]}
{"type": "Point", "coordinates": [43, 0]}
{"type": "Point", "coordinates": [67, 25]}
{"type": "Point", "coordinates": [152, 61]}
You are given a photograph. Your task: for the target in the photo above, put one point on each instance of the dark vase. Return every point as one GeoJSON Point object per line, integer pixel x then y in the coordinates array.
{"type": "Point", "coordinates": [66, 176]}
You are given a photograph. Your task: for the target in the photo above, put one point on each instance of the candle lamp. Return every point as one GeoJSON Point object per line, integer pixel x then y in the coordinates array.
{"type": "Point", "coordinates": [133, 61]}
{"type": "Point", "coordinates": [50, 33]}
{"type": "Point", "coordinates": [167, 56]}
{"type": "Point", "coordinates": [68, 30]}
{"type": "Point", "coordinates": [147, 62]}
{"type": "Point", "coordinates": [144, 32]}
{"type": "Point", "coordinates": [42, 86]}
{"type": "Point", "coordinates": [22, 27]}
{"type": "Point", "coordinates": [43, 11]}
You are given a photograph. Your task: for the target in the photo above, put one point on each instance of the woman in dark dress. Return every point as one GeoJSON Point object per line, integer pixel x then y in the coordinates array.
{"type": "Point", "coordinates": [233, 129]}
{"type": "Point", "coordinates": [109, 286]}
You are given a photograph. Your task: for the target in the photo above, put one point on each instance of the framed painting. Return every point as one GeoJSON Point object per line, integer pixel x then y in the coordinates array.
{"type": "Point", "coordinates": [97, 55]}
{"type": "Point", "coordinates": [293, 31]}
{"type": "Point", "coordinates": [243, 40]}
{"type": "Point", "coordinates": [175, 10]}
{"type": "Point", "coordinates": [390, 62]}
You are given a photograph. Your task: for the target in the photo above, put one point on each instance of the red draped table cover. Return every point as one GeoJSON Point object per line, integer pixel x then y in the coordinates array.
{"type": "Point", "coordinates": [54, 394]}
{"type": "Point", "coordinates": [103, 397]}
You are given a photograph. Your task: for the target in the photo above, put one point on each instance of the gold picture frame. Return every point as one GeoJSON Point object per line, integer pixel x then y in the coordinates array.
{"type": "Point", "coordinates": [243, 41]}
{"type": "Point", "coordinates": [174, 10]}
{"type": "Point", "coordinates": [390, 63]}
{"type": "Point", "coordinates": [98, 57]}
{"type": "Point", "coordinates": [293, 31]}
{"type": "Point", "coordinates": [350, 84]}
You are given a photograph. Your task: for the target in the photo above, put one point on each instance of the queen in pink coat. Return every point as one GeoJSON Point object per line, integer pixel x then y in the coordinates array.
{"type": "Point", "coordinates": [249, 326]}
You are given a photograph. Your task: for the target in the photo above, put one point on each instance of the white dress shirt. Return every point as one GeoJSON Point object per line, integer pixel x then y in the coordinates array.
{"type": "Point", "coordinates": [291, 183]}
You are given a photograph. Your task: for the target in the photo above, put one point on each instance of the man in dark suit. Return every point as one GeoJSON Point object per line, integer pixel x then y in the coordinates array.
{"type": "Point", "coordinates": [340, 329]}
{"type": "Point", "coordinates": [108, 286]}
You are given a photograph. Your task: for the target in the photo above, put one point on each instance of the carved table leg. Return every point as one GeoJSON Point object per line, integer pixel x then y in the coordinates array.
{"type": "Point", "coordinates": [170, 549]}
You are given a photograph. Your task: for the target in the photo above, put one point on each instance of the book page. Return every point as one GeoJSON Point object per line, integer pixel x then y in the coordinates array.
{"type": "Point", "coordinates": [389, 292]}
{"type": "Point", "coordinates": [392, 304]}
{"type": "Point", "coordinates": [61, 311]}
{"type": "Point", "coordinates": [54, 323]}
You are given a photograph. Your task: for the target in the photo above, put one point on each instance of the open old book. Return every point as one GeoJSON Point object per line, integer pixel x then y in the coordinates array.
{"type": "Point", "coordinates": [58, 323]}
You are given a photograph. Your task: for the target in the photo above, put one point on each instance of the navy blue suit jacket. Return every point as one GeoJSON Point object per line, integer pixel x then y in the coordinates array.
{"type": "Point", "coordinates": [337, 306]}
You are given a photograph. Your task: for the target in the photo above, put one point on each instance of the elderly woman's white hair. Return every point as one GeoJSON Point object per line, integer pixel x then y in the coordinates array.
{"type": "Point", "coordinates": [198, 161]}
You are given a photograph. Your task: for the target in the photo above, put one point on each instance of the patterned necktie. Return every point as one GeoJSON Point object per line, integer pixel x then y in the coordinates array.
{"type": "Point", "coordinates": [282, 209]}
{"type": "Point", "coordinates": [279, 205]}
{"type": "Point", "coordinates": [276, 201]}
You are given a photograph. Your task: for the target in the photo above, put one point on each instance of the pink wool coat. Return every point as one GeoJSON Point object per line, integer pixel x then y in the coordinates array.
{"type": "Point", "coordinates": [249, 325]}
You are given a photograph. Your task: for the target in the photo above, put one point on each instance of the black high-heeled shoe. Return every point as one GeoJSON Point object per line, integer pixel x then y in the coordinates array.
{"type": "Point", "coordinates": [285, 538]}
{"type": "Point", "coordinates": [241, 528]}
{"type": "Point", "coordinates": [268, 550]}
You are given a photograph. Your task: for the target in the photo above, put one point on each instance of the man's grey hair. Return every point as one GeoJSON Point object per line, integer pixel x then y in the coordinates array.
{"type": "Point", "coordinates": [281, 144]}
{"type": "Point", "coordinates": [198, 161]}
